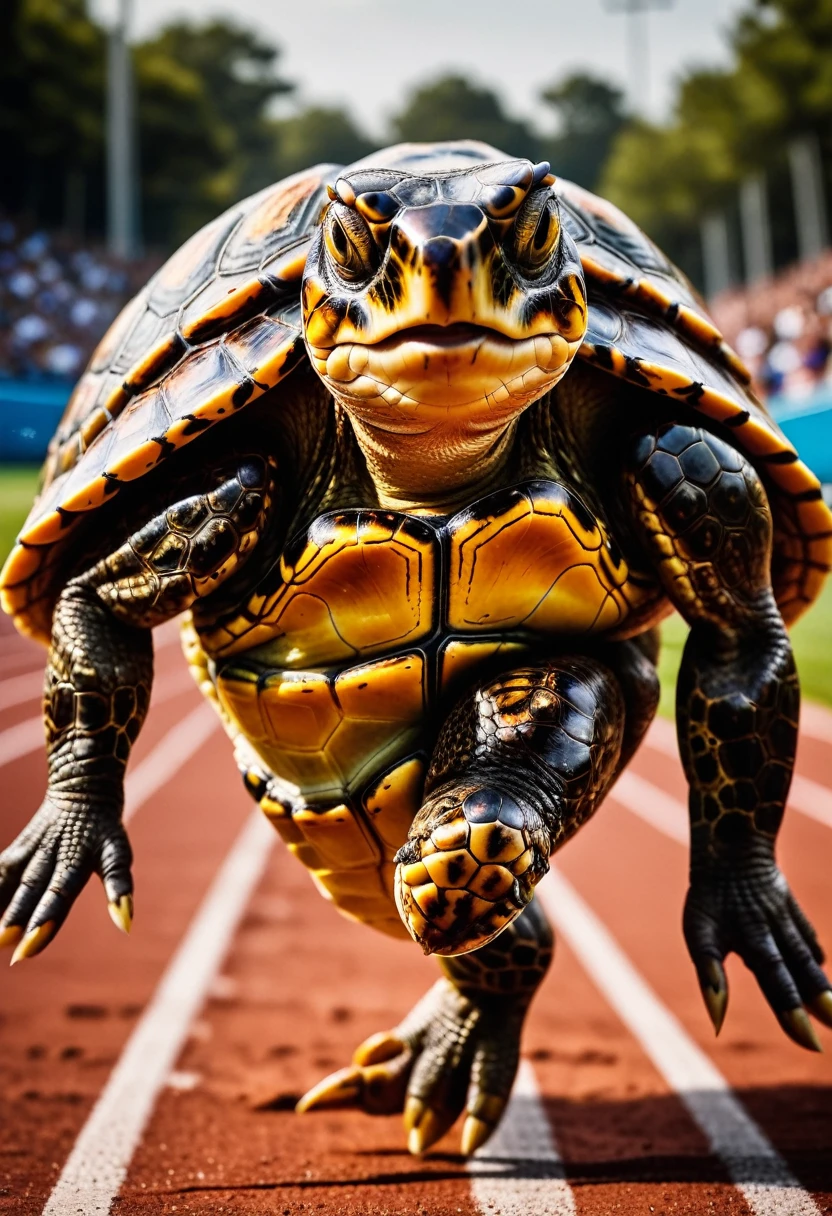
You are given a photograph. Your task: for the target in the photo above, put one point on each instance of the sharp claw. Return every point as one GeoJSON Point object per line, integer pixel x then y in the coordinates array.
{"type": "Point", "coordinates": [33, 942]}
{"type": "Point", "coordinates": [714, 989]}
{"type": "Point", "coordinates": [121, 912]}
{"type": "Point", "coordinates": [339, 1089]}
{"type": "Point", "coordinates": [10, 935]}
{"type": "Point", "coordinates": [797, 1026]}
{"type": "Point", "coordinates": [378, 1049]}
{"type": "Point", "coordinates": [475, 1132]}
{"type": "Point", "coordinates": [431, 1127]}
{"type": "Point", "coordinates": [821, 1007]}
{"type": "Point", "coordinates": [413, 1111]}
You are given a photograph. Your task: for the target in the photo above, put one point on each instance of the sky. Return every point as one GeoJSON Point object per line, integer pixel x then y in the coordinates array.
{"type": "Point", "coordinates": [366, 54]}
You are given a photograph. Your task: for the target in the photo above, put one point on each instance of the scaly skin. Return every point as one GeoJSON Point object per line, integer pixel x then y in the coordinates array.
{"type": "Point", "coordinates": [458, 1048]}
{"type": "Point", "coordinates": [519, 765]}
{"type": "Point", "coordinates": [704, 514]}
{"type": "Point", "coordinates": [96, 695]}
{"type": "Point", "coordinates": [547, 741]}
{"type": "Point", "coordinates": [98, 681]}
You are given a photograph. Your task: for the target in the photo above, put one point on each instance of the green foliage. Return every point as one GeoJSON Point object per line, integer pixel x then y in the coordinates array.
{"type": "Point", "coordinates": [317, 135]}
{"type": "Point", "coordinates": [589, 113]}
{"type": "Point", "coordinates": [18, 486]}
{"type": "Point", "coordinates": [206, 138]}
{"type": "Point", "coordinates": [727, 124]}
{"type": "Point", "coordinates": [810, 639]}
{"type": "Point", "coordinates": [454, 108]}
{"type": "Point", "coordinates": [203, 92]}
{"type": "Point", "coordinates": [51, 91]}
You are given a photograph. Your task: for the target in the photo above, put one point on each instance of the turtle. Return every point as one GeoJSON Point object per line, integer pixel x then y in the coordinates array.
{"type": "Point", "coordinates": [422, 450]}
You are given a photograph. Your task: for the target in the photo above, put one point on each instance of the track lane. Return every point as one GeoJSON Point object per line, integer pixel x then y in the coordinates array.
{"type": "Point", "coordinates": [638, 878]}
{"type": "Point", "coordinates": [640, 1106]}
{"type": "Point", "coordinates": [65, 1016]}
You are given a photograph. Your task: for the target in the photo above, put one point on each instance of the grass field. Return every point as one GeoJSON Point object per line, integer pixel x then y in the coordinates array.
{"type": "Point", "coordinates": [17, 489]}
{"type": "Point", "coordinates": [811, 636]}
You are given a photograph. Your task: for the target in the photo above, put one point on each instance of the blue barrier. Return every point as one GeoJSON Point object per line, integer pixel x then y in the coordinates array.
{"type": "Point", "coordinates": [29, 412]}
{"type": "Point", "coordinates": [808, 425]}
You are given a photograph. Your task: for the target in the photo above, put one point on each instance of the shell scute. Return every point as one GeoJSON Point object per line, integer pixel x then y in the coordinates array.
{"type": "Point", "coordinates": [273, 216]}
{"type": "Point", "coordinates": [225, 300]}
{"type": "Point", "coordinates": [260, 347]}
{"type": "Point", "coordinates": [191, 266]}
{"type": "Point", "coordinates": [108, 347]}
{"type": "Point", "coordinates": [205, 337]}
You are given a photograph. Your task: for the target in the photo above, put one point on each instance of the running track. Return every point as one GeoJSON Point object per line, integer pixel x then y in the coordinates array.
{"type": "Point", "coordinates": [157, 1073]}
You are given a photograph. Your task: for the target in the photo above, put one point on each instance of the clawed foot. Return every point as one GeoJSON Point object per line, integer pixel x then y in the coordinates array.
{"type": "Point", "coordinates": [452, 1053]}
{"type": "Point", "coordinates": [44, 870]}
{"type": "Point", "coordinates": [750, 910]}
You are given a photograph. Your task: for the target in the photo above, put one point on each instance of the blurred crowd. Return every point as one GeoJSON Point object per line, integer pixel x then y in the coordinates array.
{"type": "Point", "coordinates": [56, 300]}
{"type": "Point", "coordinates": [782, 328]}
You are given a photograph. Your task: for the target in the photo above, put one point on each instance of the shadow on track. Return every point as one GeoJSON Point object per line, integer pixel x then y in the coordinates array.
{"type": "Point", "coordinates": [638, 1140]}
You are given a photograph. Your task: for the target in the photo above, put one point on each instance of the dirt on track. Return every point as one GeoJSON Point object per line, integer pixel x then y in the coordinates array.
{"type": "Point", "coordinates": [301, 987]}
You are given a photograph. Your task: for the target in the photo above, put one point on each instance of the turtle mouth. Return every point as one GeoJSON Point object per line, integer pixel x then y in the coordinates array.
{"type": "Point", "coordinates": [447, 337]}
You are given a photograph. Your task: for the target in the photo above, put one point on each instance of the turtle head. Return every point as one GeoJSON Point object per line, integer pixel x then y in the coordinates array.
{"type": "Point", "coordinates": [448, 293]}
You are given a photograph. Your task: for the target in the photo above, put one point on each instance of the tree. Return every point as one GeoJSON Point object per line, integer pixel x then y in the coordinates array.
{"type": "Point", "coordinates": [454, 108]}
{"type": "Point", "coordinates": [206, 136]}
{"type": "Point", "coordinates": [728, 124]}
{"type": "Point", "coordinates": [51, 111]}
{"type": "Point", "coordinates": [590, 114]}
{"type": "Point", "coordinates": [316, 135]}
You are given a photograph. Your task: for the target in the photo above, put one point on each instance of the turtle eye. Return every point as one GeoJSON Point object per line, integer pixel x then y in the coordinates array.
{"type": "Point", "coordinates": [349, 244]}
{"type": "Point", "coordinates": [536, 233]}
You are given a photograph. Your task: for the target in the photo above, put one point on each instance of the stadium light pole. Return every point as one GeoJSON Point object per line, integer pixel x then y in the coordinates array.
{"type": "Point", "coordinates": [122, 192]}
{"type": "Point", "coordinates": [638, 46]}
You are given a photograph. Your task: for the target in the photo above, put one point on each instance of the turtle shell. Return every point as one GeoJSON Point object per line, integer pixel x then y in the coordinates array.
{"type": "Point", "coordinates": [220, 324]}
{"type": "Point", "coordinates": [649, 326]}
{"type": "Point", "coordinates": [216, 327]}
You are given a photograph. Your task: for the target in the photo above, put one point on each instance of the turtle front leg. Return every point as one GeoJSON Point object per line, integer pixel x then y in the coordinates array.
{"type": "Point", "coordinates": [702, 510]}
{"type": "Point", "coordinates": [459, 1047]}
{"type": "Point", "coordinates": [97, 691]}
{"type": "Point", "coordinates": [520, 764]}
{"type": "Point", "coordinates": [96, 694]}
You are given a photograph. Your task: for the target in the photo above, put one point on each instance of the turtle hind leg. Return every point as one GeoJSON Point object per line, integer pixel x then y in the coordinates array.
{"type": "Point", "coordinates": [459, 1047]}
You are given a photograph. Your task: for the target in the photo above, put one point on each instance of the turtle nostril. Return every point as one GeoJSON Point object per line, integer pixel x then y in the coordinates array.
{"type": "Point", "coordinates": [439, 251]}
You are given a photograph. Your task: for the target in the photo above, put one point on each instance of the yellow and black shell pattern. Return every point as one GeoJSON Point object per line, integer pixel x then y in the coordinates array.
{"type": "Point", "coordinates": [216, 327]}
{"type": "Point", "coordinates": [221, 323]}
{"type": "Point", "coordinates": [647, 325]}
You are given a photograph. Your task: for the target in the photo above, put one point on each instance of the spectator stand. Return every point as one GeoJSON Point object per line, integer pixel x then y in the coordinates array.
{"type": "Point", "coordinates": [56, 300]}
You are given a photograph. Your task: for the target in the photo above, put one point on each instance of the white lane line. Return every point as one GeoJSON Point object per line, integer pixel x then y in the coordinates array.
{"type": "Point", "coordinates": [19, 689]}
{"type": "Point", "coordinates": [178, 745]}
{"type": "Point", "coordinates": [812, 799]}
{"type": "Point", "coordinates": [98, 1163]}
{"type": "Point", "coordinates": [816, 721]}
{"type": "Point", "coordinates": [661, 810]}
{"type": "Point", "coordinates": [662, 738]}
{"type": "Point", "coordinates": [20, 739]}
{"type": "Point", "coordinates": [752, 1162]}
{"type": "Point", "coordinates": [519, 1172]}
{"type": "Point", "coordinates": [28, 736]}
{"type": "Point", "coordinates": [808, 797]}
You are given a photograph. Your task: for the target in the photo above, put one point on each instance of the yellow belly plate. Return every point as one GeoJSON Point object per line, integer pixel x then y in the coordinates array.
{"type": "Point", "coordinates": [338, 673]}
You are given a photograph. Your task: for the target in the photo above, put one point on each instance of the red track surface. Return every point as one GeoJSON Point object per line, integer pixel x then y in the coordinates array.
{"type": "Point", "coordinates": [301, 987]}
